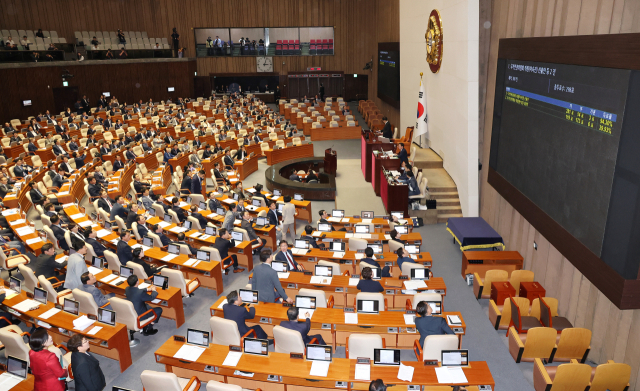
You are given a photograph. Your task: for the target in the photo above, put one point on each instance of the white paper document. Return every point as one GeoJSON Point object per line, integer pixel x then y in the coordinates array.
{"type": "Point", "coordinates": [189, 352]}
{"type": "Point", "coordinates": [409, 319]}
{"type": "Point", "coordinates": [348, 235]}
{"type": "Point", "coordinates": [86, 223]}
{"type": "Point", "coordinates": [228, 200]}
{"type": "Point", "coordinates": [25, 230]}
{"type": "Point", "coordinates": [195, 235]}
{"type": "Point", "coordinates": [190, 262]}
{"type": "Point", "coordinates": [16, 222]}
{"type": "Point", "coordinates": [405, 372]}
{"type": "Point", "coordinates": [316, 234]}
{"type": "Point", "coordinates": [232, 359]}
{"type": "Point", "coordinates": [26, 305]}
{"type": "Point", "coordinates": [302, 313]}
{"type": "Point", "coordinates": [164, 224]}
{"type": "Point", "coordinates": [283, 276]}
{"type": "Point", "coordinates": [34, 240]}
{"type": "Point", "coordinates": [169, 257]}
{"type": "Point", "coordinates": [367, 221]}
{"type": "Point", "coordinates": [144, 285]}
{"type": "Point", "coordinates": [350, 318]}
{"type": "Point", "coordinates": [320, 280]}
{"type": "Point", "coordinates": [450, 375]}
{"type": "Point", "coordinates": [8, 381]}
{"type": "Point", "coordinates": [414, 284]}
{"type": "Point", "coordinates": [338, 255]}
{"type": "Point", "coordinates": [354, 281]}
{"type": "Point", "coordinates": [363, 372]}
{"type": "Point", "coordinates": [222, 304]}
{"type": "Point", "coordinates": [108, 278]}
{"type": "Point", "coordinates": [299, 251]}
{"type": "Point", "coordinates": [82, 323]}
{"type": "Point", "coordinates": [76, 216]}
{"type": "Point", "coordinates": [204, 237]}
{"type": "Point", "coordinates": [320, 368]}
{"type": "Point", "coordinates": [102, 233]}
{"type": "Point", "coordinates": [62, 259]}
{"type": "Point", "coordinates": [346, 219]}
{"type": "Point", "coordinates": [454, 319]}
{"type": "Point", "coordinates": [49, 313]}
{"type": "Point", "coordinates": [178, 229]}
{"type": "Point", "coordinates": [10, 212]}
{"type": "Point", "coordinates": [62, 193]}
{"type": "Point", "coordinates": [334, 219]}
{"type": "Point", "coordinates": [387, 237]}
{"type": "Point", "coordinates": [94, 330]}
{"type": "Point", "coordinates": [118, 280]}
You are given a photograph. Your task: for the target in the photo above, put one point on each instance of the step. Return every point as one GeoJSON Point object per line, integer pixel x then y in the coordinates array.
{"type": "Point", "coordinates": [428, 164]}
{"type": "Point", "coordinates": [447, 201]}
{"type": "Point", "coordinates": [442, 195]}
{"type": "Point", "coordinates": [445, 218]}
{"type": "Point", "coordinates": [448, 209]}
{"type": "Point", "coordinates": [442, 189]}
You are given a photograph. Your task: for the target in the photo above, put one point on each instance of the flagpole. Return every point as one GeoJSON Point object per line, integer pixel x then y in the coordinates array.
{"type": "Point", "coordinates": [425, 109]}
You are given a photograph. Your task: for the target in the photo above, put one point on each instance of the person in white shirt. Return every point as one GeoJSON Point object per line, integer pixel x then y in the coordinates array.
{"type": "Point", "coordinates": [25, 42]}
{"type": "Point", "coordinates": [76, 266]}
{"type": "Point", "coordinates": [80, 57]}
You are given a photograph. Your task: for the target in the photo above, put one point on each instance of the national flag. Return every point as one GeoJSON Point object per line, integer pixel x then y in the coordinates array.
{"type": "Point", "coordinates": [421, 121]}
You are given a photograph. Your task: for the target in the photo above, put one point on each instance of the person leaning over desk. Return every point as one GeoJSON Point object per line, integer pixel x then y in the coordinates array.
{"type": "Point", "coordinates": [302, 327]}
{"type": "Point", "coordinates": [265, 280]}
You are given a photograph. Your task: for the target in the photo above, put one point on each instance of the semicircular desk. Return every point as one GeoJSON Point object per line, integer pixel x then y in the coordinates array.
{"type": "Point", "coordinates": [277, 177]}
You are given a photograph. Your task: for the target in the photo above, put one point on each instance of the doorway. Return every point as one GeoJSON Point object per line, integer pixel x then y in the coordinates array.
{"type": "Point", "coordinates": [64, 97]}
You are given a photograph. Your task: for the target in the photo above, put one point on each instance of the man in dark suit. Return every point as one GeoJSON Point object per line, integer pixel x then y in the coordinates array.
{"type": "Point", "coordinates": [64, 166]}
{"type": "Point", "coordinates": [196, 183]}
{"type": "Point", "coordinates": [73, 145]}
{"type": "Point", "coordinates": [59, 128]}
{"type": "Point", "coordinates": [201, 219]}
{"type": "Point", "coordinates": [196, 143]}
{"type": "Point", "coordinates": [57, 149]}
{"type": "Point", "coordinates": [91, 236]}
{"type": "Point", "coordinates": [118, 163]}
{"type": "Point", "coordinates": [79, 159]}
{"type": "Point", "coordinates": [285, 255]}
{"type": "Point", "coordinates": [132, 216]}
{"type": "Point", "coordinates": [139, 298]}
{"type": "Point", "coordinates": [366, 284]}
{"type": "Point", "coordinates": [123, 250]}
{"type": "Point", "coordinates": [402, 154]}
{"type": "Point", "coordinates": [95, 189]}
{"type": "Point", "coordinates": [5, 188]}
{"type": "Point", "coordinates": [227, 160]}
{"type": "Point", "coordinates": [321, 92]}
{"type": "Point", "coordinates": [20, 170]}
{"type": "Point", "coordinates": [403, 256]}
{"type": "Point", "coordinates": [213, 204]}
{"type": "Point", "coordinates": [45, 264]}
{"type": "Point", "coordinates": [157, 229]}
{"type": "Point", "coordinates": [129, 155]}
{"type": "Point", "coordinates": [118, 209]}
{"type": "Point", "coordinates": [58, 232]}
{"type": "Point", "coordinates": [167, 155]}
{"type": "Point", "coordinates": [36, 196]}
{"type": "Point", "coordinates": [107, 123]}
{"type": "Point", "coordinates": [386, 129]}
{"type": "Point", "coordinates": [308, 230]}
{"type": "Point", "coordinates": [168, 139]}
{"type": "Point", "coordinates": [142, 228]}
{"type": "Point", "coordinates": [223, 243]}
{"type": "Point", "coordinates": [368, 252]}
{"type": "Point", "coordinates": [104, 149]}
{"type": "Point", "coordinates": [181, 240]}
{"type": "Point", "coordinates": [138, 255]}
{"type": "Point", "coordinates": [56, 178]}
{"type": "Point", "coordinates": [174, 206]}
{"type": "Point", "coordinates": [32, 147]}
{"type": "Point", "coordinates": [272, 214]}
{"type": "Point", "coordinates": [104, 202]}
{"type": "Point", "coordinates": [247, 225]}
{"type": "Point", "coordinates": [429, 325]}
{"type": "Point", "coordinates": [218, 175]}
{"type": "Point", "coordinates": [233, 311]}
{"type": "Point", "coordinates": [294, 176]}
{"type": "Point", "coordinates": [302, 327]}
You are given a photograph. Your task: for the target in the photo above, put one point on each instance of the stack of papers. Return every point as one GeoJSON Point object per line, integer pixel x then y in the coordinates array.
{"type": "Point", "coordinates": [237, 222]}
{"type": "Point", "coordinates": [16, 222]}
{"type": "Point", "coordinates": [228, 201]}
{"type": "Point", "coordinates": [345, 220]}
{"type": "Point", "coordinates": [94, 270]}
{"type": "Point", "coordinates": [108, 278]}
{"type": "Point", "coordinates": [283, 276]}
{"type": "Point", "coordinates": [102, 233]}
{"type": "Point", "coordinates": [232, 359]}
{"type": "Point", "coordinates": [76, 216]}
{"type": "Point", "coordinates": [354, 281]}
{"type": "Point", "coordinates": [414, 284]}
{"type": "Point", "coordinates": [25, 305]}
{"type": "Point", "coordinates": [190, 262]}
{"type": "Point", "coordinates": [338, 255]}
{"type": "Point", "coordinates": [405, 372]}
{"type": "Point", "coordinates": [144, 285]}
{"type": "Point", "coordinates": [25, 231]}
{"type": "Point", "coordinates": [62, 193]}
{"type": "Point", "coordinates": [450, 375]}
{"type": "Point", "coordinates": [33, 240]}
{"type": "Point", "coordinates": [251, 190]}
{"type": "Point", "coordinates": [10, 212]}
{"type": "Point", "coordinates": [316, 234]}
{"type": "Point", "coordinates": [189, 352]}
{"type": "Point", "coordinates": [302, 313]}
{"type": "Point", "coordinates": [359, 255]}
{"type": "Point", "coordinates": [164, 224]}
{"type": "Point", "coordinates": [8, 381]}
{"type": "Point", "coordinates": [350, 318]}
{"type": "Point", "coordinates": [168, 257]}
{"type": "Point", "coordinates": [194, 235]}
{"type": "Point", "coordinates": [82, 323]}
{"type": "Point", "coordinates": [178, 229]}
{"type": "Point", "coordinates": [367, 221]}
{"type": "Point", "coordinates": [86, 223]}
{"type": "Point", "coordinates": [299, 251]}
{"type": "Point", "coordinates": [222, 304]}
{"type": "Point", "coordinates": [62, 259]}
{"type": "Point", "coordinates": [49, 313]}
{"type": "Point", "coordinates": [320, 280]}
{"type": "Point", "coordinates": [94, 330]}
{"type": "Point", "coordinates": [182, 204]}
{"type": "Point", "coordinates": [387, 237]}
{"type": "Point", "coordinates": [334, 219]}
{"type": "Point", "coordinates": [363, 372]}
{"type": "Point", "coordinates": [320, 368]}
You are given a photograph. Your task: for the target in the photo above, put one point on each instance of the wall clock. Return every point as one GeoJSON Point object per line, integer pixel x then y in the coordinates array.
{"type": "Point", "coordinates": [264, 64]}
{"type": "Point", "coordinates": [433, 36]}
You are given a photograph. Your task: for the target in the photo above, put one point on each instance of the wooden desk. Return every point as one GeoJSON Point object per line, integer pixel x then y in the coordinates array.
{"type": "Point", "coordinates": [531, 290]}
{"type": "Point", "coordinates": [25, 385]}
{"type": "Point", "coordinates": [33, 247]}
{"type": "Point", "coordinates": [110, 341]}
{"type": "Point", "coordinates": [368, 143]}
{"type": "Point", "coordinates": [379, 238]}
{"type": "Point", "coordinates": [395, 197]}
{"type": "Point", "coordinates": [247, 167]}
{"type": "Point", "coordinates": [289, 153]}
{"type": "Point", "coordinates": [500, 291]}
{"type": "Point", "coordinates": [330, 323]}
{"type": "Point", "coordinates": [481, 261]}
{"type": "Point", "coordinates": [338, 133]}
{"type": "Point", "coordinates": [378, 163]}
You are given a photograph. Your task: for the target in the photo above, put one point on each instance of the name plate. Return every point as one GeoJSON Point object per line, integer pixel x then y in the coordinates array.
{"type": "Point", "coordinates": [210, 368]}
{"type": "Point", "coordinates": [312, 260]}
{"type": "Point", "coordinates": [403, 277]}
{"type": "Point", "coordinates": [308, 273]}
{"type": "Point", "coordinates": [326, 326]}
{"type": "Point", "coordinates": [341, 384]}
{"type": "Point", "coordinates": [427, 264]}
{"type": "Point", "coordinates": [285, 304]}
{"type": "Point", "coordinates": [458, 330]}
{"type": "Point", "coordinates": [388, 264]}
{"type": "Point", "coordinates": [413, 387]}
{"type": "Point", "coordinates": [339, 289]}
{"type": "Point", "coordinates": [363, 360]}
{"type": "Point", "coordinates": [484, 388]}
{"type": "Point", "coordinates": [347, 309]}
{"type": "Point", "coordinates": [179, 338]}
{"type": "Point", "coordinates": [411, 330]}
{"type": "Point", "coordinates": [292, 286]}
{"type": "Point", "coordinates": [410, 312]}
{"type": "Point", "coordinates": [296, 355]}
{"type": "Point", "coordinates": [392, 330]}
{"type": "Point", "coordinates": [440, 291]}
{"type": "Point", "coordinates": [235, 348]}
{"type": "Point", "coordinates": [390, 291]}
{"type": "Point", "coordinates": [430, 362]}
{"type": "Point", "coordinates": [348, 262]}
{"type": "Point", "coordinates": [265, 320]}
{"type": "Point", "coordinates": [273, 377]}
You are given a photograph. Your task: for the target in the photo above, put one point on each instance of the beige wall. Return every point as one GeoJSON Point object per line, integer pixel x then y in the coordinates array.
{"type": "Point", "coordinates": [452, 93]}
{"type": "Point", "coordinates": [615, 332]}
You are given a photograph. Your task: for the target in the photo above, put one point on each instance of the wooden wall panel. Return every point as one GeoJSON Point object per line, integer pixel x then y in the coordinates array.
{"type": "Point", "coordinates": [614, 331]}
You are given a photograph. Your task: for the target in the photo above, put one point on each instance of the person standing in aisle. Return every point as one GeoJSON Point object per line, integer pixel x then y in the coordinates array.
{"type": "Point", "coordinates": [175, 37]}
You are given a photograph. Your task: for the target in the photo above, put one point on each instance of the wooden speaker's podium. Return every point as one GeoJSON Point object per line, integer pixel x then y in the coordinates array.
{"type": "Point", "coordinates": [330, 161]}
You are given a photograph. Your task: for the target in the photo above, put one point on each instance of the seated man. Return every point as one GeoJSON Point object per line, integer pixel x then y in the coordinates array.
{"type": "Point", "coordinates": [138, 254]}
{"type": "Point", "coordinates": [285, 255]}
{"type": "Point", "coordinates": [91, 235]}
{"type": "Point", "coordinates": [139, 298]}
{"type": "Point", "coordinates": [308, 230]}
{"type": "Point", "coordinates": [157, 229]}
{"type": "Point", "coordinates": [429, 325]}
{"type": "Point", "coordinates": [223, 243]}
{"type": "Point", "coordinates": [366, 284]}
{"type": "Point", "coordinates": [233, 311]}
{"type": "Point", "coordinates": [395, 237]}
{"type": "Point", "coordinates": [403, 256]}
{"type": "Point", "coordinates": [46, 265]}
{"type": "Point", "coordinates": [302, 327]}
{"type": "Point", "coordinates": [368, 252]}
{"type": "Point", "coordinates": [89, 285]}
{"type": "Point", "coordinates": [196, 215]}
{"type": "Point", "coordinates": [181, 240]}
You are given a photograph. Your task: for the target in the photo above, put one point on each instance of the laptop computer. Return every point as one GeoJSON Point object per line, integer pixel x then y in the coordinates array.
{"type": "Point", "coordinates": [301, 243]}
{"type": "Point", "coordinates": [237, 236]}
{"type": "Point", "coordinates": [338, 246]}
{"type": "Point", "coordinates": [261, 222]}
{"type": "Point", "coordinates": [256, 203]}
{"type": "Point", "coordinates": [160, 281]}
{"type": "Point", "coordinates": [40, 295]}
{"type": "Point", "coordinates": [186, 224]}
{"type": "Point", "coordinates": [436, 307]}
{"type": "Point", "coordinates": [305, 304]}
{"type": "Point", "coordinates": [198, 337]}
{"type": "Point", "coordinates": [125, 271]}
{"type": "Point", "coordinates": [71, 306]}
{"type": "Point", "coordinates": [248, 296]}
{"type": "Point", "coordinates": [412, 248]}
{"type": "Point", "coordinates": [210, 231]}
{"type": "Point", "coordinates": [298, 197]}
{"type": "Point", "coordinates": [147, 241]}
{"type": "Point", "coordinates": [455, 358]}
{"type": "Point", "coordinates": [324, 271]}
{"type": "Point", "coordinates": [362, 228]}
{"type": "Point", "coordinates": [220, 211]}
{"type": "Point", "coordinates": [368, 306]}
{"type": "Point", "coordinates": [399, 215]}
{"type": "Point", "coordinates": [15, 284]}
{"type": "Point", "coordinates": [324, 227]}
{"type": "Point", "coordinates": [107, 316]}
{"type": "Point", "coordinates": [152, 212]}
{"type": "Point", "coordinates": [202, 205]}
{"type": "Point", "coordinates": [107, 226]}
{"type": "Point", "coordinates": [337, 213]}
{"type": "Point", "coordinates": [97, 262]}
{"type": "Point", "coordinates": [419, 274]}
{"type": "Point", "coordinates": [173, 249]}
{"type": "Point", "coordinates": [402, 229]}
{"type": "Point", "coordinates": [203, 256]}
{"type": "Point", "coordinates": [277, 193]}
{"type": "Point", "coordinates": [386, 356]}
{"type": "Point", "coordinates": [17, 370]}
{"type": "Point", "coordinates": [319, 352]}
{"type": "Point", "coordinates": [280, 266]}
{"type": "Point", "coordinates": [116, 388]}
{"type": "Point", "coordinates": [280, 206]}
{"type": "Point", "coordinates": [377, 248]}
{"type": "Point", "coordinates": [167, 218]}
{"type": "Point", "coordinates": [256, 346]}
{"type": "Point", "coordinates": [365, 214]}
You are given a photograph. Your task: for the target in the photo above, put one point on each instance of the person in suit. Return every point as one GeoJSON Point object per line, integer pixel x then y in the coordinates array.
{"type": "Point", "coordinates": [213, 204]}
{"type": "Point", "coordinates": [76, 266]}
{"type": "Point", "coordinates": [79, 159]}
{"type": "Point", "coordinates": [129, 155]}
{"type": "Point", "coordinates": [368, 252]}
{"type": "Point", "coordinates": [181, 240]}
{"type": "Point", "coordinates": [402, 154]}
{"type": "Point", "coordinates": [87, 374]}
{"type": "Point", "coordinates": [247, 225]}
{"type": "Point", "coordinates": [118, 163]}
{"type": "Point", "coordinates": [139, 298]}
{"type": "Point", "coordinates": [311, 175]}
{"type": "Point", "coordinates": [91, 235]}
{"type": "Point", "coordinates": [36, 196]}
{"type": "Point", "coordinates": [208, 152]}
{"type": "Point", "coordinates": [142, 226]}
{"type": "Point", "coordinates": [273, 217]}
{"type": "Point", "coordinates": [118, 209]}
{"type": "Point", "coordinates": [64, 168]}
{"type": "Point", "coordinates": [223, 243]}
{"type": "Point", "coordinates": [308, 230]}
{"type": "Point", "coordinates": [196, 182]}
{"type": "Point", "coordinates": [123, 250]}
{"type": "Point", "coordinates": [395, 237]}
{"type": "Point", "coordinates": [32, 147]}
{"type": "Point", "coordinates": [157, 229]}
{"type": "Point", "coordinates": [265, 280]}
{"type": "Point", "coordinates": [179, 211]}
{"type": "Point", "coordinates": [5, 188]}
{"type": "Point", "coordinates": [218, 175]}
{"type": "Point", "coordinates": [241, 154]}
{"type": "Point", "coordinates": [45, 263]}
{"type": "Point", "coordinates": [230, 217]}
{"type": "Point", "coordinates": [413, 185]}
{"type": "Point", "coordinates": [168, 139]}
{"type": "Point", "coordinates": [403, 256]}
{"type": "Point", "coordinates": [138, 258]}
{"type": "Point", "coordinates": [57, 180]}
{"type": "Point", "coordinates": [45, 366]}
{"type": "Point", "coordinates": [302, 327]}
{"type": "Point", "coordinates": [196, 215]}
{"type": "Point", "coordinates": [227, 160]}
{"type": "Point", "coordinates": [294, 176]}
{"type": "Point", "coordinates": [233, 311]}
{"type": "Point", "coordinates": [386, 129]}
{"type": "Point", "coordinates": [58, 232]}
{"type": "Point", "coordinates": [285, 255]}
{"type": "Point", "coordinates": [429, 325]}
{"type": "Point", "coordinates": [95, 190]}
{"type": "Point", "coordinates": [321, 92]}
{"type": "Point", "coordinates": [147, 201]}
{"type": "Point", "coordinates": [288, 219]}
{"type": "Point", "coordinates": [104, 202]}
{"type": "Point", "coordinates": [89, 286]}
{"type": "Point", "coordinates": [132, 216]}
{"type": "Point", "coordinates": [366, 284]}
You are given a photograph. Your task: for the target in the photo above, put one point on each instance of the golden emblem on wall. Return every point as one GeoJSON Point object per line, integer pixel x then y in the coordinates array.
{"type": "Point", "coordinates": [433, 36]}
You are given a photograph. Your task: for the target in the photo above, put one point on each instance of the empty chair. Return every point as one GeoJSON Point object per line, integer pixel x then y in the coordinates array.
{"type": "Point", "coordinates": [574, 344]}
{"type": "Point", "coordinates": [422, 296]}
{"type": "Point", "coordinates": [30, 278]}
{"type": "Point", "coordinates": [521, 323]}
{"type": "Point", "coordinates": [518, 276]}
{"type": "Point", "coordinates": [321, 298]}
{"type": "Point", "coordinates": [611, 376]}
{"type": "Point", "coordinates": [12, 339]}
{"type": "Point", "coordinates": [335, 267]}
{"type": "Point", "coordinates": [565, 377]}
{"type": "Point", "coordinates": [177, 280]}
{"type": "Point", "coordinates": [490, 276]}
{"type": "Point", "coordinates": [539, 343]}
{"type": "Point", "coordinates": [11, 263]}
{"type": "Point", "coordinates": [362, 345]}
{"type": "Point", "coordinates": [152, 380]}
{"type": "Point", "coordinates": [356, 244]}
{"type": "Point", "coordinates": [433, 346]}
{"type": "Point", "coordinates": [500, 315]}
{"type": "Point", "coordinates": [558, 323]}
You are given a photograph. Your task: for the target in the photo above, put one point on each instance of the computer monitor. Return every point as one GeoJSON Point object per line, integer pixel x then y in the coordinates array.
{"type": "Point", "coordinates": [300, 243]}
{"type": "Point", "coordinates": [210, 231]}
{"type": "Point", "coordinates": [237, 236]}
{"type": "Point", "coordinates": [107, 316]}
{"type": "Point", "coordinates": [125, 271]}
{"type": "Point", "coordinates": [160, 281]}
{"type": "Point", "coordinates": [147, 241]}
{"type": "Point", "coordinates": [256, 346]}
{"type": "Point", "coordinates": [248, 296]}
{"type": "Point", "coordinates": [436, 307]}
{"type": "Point", "coordinates": [386, 356]}
{"type": "Point", "coordinates": [319, 353]}
{"type": "Point", "coordinates": [308, 302]}
{"type": "Point", "coordinates": [280, 206]}
{"type": "Point", "coordinates": [324, 271]}
{"type": "Point", "coordinates": [256, 203]}
{"type": "Point", "coordinates": [140, 205]}
{"type": "Point", "coordinates": [40, 295]}
{"type": "Point", "coordinates": [17, 367]}
{"type": "Point", "coordinates": [375, 275]}
{"type": "Point", "coordinates": [97, 262]}
{"type": "Point", "coordinates": [368, 306]}
{"type": "Point", "coordinates": [220, 211]}
{"type": "Point", "coordinates": [107, 225]}
{"type": "Point", "coordinates": [15, 284]}
{"type": "Point", "coordinates": [71, 306]}
{"type": "Point", "coordinates": [277, 192]}
{"type": "Point", "coordinates": [338, 246]}
{"type": "Point", "coordinates": [412, 248]}
{"type": "Point", "coordinates": [337, 213]}
{"type": "Point", "coordinates": [324, 227]}
{"type": "Point", "coordinates": [167, 218]}
{"type": "Point", "coordinates": [188, 200]}
{"type": "Point", "coordinates": [399, 215]}
{"type": "Point", "coordinates": [377, 248]}
{"type": "Point", "coordinates": [366, 214]}
{"type": "Point", "coordinates": [455, 358]}
{"type": "Point", "coordinates": [198, 337]}
{"type": "Point", "coordinates": [279, 266]}
{"type": "Point", "coordinates": [419, 274]}
{"type": "Point", "coordinates": [402, 229]}
{"type": "Point", "coordinates": [362, 228]}
{"type": "Point", "coordinates": [152, 212]}
{"type": "Point", "coordinates": [203, 256]}
{"type": "Point", "coordinates": [202, 205]}
{"type": "Point", "coordinates": [173, 249]}
{"type": "Point", "coordinates": [186, 224]}
{"type": "Point", "coordinates": [236, 197]}
{"type": "Point", "coordinates": [298, 197]}
{"type": "Point", "coordinates": [261, 221]}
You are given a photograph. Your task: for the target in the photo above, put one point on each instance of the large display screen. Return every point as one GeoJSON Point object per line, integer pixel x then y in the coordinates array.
{"type": "Point", "coordinates": [389, 73]}
{"type": "Point", "coordinates": [555, 138]}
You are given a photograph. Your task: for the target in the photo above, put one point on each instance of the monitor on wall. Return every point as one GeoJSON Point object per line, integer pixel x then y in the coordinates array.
{"type": "Point", "coordinates": [388, 64]}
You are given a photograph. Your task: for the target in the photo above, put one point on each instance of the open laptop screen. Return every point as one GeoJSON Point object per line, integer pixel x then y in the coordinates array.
{"type": "Point", "coordinates": [198, 337]}
{"type": "Point", "coordinates": [368, 306]}
{"type": "Point", "coordinates": [71, 306]}
{"type": "Point", "coordinates": [106, 316]}
{"type": "Point", "coordinates": [324, 271]}
{"type": "Point", "coordinates": [319, 353]}
{"type": "Point", "coordinates": [453, 358]}
{"type": "Point", "coordinates": [17, 367]}
{"type": "Point", "coordinates": [386, 356]}
{"type": "Point", "coordinates": [40, 295]}
{"type": "Point", "coordinates": [337, 213]}
{"type": "Point", "coordinates": [256, 346]}
{"type": "Point", "coordinates": [248, 296]}
{"type": "Point", "coordinates": [324, 227]}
